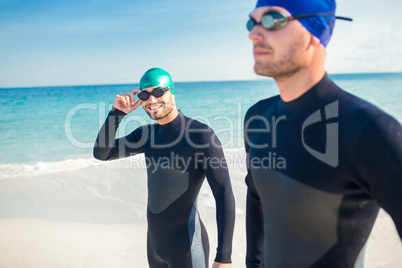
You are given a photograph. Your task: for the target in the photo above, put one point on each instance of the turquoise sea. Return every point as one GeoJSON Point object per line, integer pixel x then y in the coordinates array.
{"type": "Point", "coordinates": [47, 134]}
{"type": "Point", "coordinates": [48, 124]}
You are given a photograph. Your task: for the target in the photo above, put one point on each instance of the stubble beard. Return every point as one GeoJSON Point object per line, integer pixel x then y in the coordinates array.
{"type": "Point", "coordinates": [290, 63]}
{"type": "Point", "coordinates": [167, 109]}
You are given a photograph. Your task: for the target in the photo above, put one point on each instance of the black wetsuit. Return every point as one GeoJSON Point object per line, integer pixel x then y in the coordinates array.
{"type": "Point", "coordinates": [178, 156]}
{"type": "Point", "coordinates": [316, 180]}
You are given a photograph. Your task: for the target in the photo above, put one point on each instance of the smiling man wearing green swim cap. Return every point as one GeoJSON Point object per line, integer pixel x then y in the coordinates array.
{"type": "Point", "coordinates": [157, 79]}
{"type": "Point", "coordinates": [340, 157]}
{"type": "Point", "coordinates": [180, 152]}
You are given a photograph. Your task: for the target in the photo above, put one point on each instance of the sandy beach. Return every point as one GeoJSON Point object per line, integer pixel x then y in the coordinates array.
{"type": "Point", "coordinates": [95, 217]}
{"type": "Point", "coordinates": [49, 244]}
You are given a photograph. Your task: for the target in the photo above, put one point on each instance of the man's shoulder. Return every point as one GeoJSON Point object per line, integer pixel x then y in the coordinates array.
{"type": "Point", "coordinates": [358, 117]}
{"type": "Point", "coordinates": [199, 135]}
{"type": "Point", "coordinates": [259, 107]}
{"type": "Point", "coordinates": [199, 132]}
{"type": "Point", "coordinates": [195, 124]}
{"type": "Point", "coordinates": [352, 107]}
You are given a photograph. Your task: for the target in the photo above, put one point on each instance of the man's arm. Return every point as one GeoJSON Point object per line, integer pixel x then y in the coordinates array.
{"type": "Point", "coordinates": [378, 161]}
{"type": "Point", "coordinates": [216, 171]}
{"type": "Point", "coordinates": [106, 146]}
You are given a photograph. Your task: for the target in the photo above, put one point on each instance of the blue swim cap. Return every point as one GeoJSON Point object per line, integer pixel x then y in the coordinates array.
{"type": "Point", "coordinates": [318, 26]}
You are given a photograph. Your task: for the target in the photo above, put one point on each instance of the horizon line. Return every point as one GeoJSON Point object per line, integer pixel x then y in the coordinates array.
{"type": "Point", "coordinates": [262, 78]}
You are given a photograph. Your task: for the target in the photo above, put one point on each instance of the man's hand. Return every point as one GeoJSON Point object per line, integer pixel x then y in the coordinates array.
{"type": "Point", "coordinates": [221, 265]}
{"type": "Point", "coordinates": [125, 102]}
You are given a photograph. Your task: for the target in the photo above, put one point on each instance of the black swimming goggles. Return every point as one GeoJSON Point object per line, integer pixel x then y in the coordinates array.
{"type": "Point", "coordinates": [275, 20]}
{"type": "Point", "coordinates": [157, 92]}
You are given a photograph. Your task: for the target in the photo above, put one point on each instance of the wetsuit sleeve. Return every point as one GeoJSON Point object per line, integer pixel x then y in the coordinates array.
{"type": "Point", "coordinates": [108, 148]}
{"type": "Point", "coordinates": [254, 221]}
{"type": "Point", "coordinates": [378, 161]}
{"type": "Point", "coordinates": [215, 168]}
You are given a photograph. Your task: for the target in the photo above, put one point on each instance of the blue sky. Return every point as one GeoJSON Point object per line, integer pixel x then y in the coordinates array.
{"type": "Point", "coordinates": [46, 43]}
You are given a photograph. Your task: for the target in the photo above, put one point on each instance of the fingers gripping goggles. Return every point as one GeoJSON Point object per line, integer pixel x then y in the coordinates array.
{"type": "Point", "coordinates": [275, 20]}
{"type": "Point", "coordinates": [157, 92]}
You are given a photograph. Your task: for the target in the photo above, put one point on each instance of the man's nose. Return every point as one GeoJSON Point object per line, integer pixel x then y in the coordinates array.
{"type": "Point", "coordinates": [152, 99]}
{"type": "Point", "coordinates": [255, 33]}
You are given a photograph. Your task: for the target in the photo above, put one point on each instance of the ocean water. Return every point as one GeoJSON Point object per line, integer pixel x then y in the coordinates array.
{"type": "Point", "coordinates": [61, 123]}
{"type": "Point", "coordinates": [47, 134]}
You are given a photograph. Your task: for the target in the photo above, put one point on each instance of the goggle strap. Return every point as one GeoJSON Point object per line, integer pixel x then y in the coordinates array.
{"type": "Point", "coordinates": [324, 15]}
{"type": "Point", "coordinates": [320, 15]}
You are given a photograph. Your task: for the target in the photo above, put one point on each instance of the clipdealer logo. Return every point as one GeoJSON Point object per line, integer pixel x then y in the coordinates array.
{"type": "Point", "coordinates": [331, 154]}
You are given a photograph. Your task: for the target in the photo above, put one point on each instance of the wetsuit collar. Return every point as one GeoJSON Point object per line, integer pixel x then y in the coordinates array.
{"type": "Point", "coordinates": [320, 94]}
{"type": "Point", "coordinates": [177, 122]}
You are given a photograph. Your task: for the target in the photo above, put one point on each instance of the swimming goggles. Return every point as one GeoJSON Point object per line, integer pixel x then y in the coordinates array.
{"type": "Point", "coordinates": [275, 20]}
{"type": "Point", "coordinates": [157, 92]}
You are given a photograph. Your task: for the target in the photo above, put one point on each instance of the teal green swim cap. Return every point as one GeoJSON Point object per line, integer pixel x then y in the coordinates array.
{"type": "Point", "coordinates": [156, 77]}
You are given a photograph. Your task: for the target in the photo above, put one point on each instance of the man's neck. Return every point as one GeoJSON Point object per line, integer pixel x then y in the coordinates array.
{"type": "Point", "coordinates": [292, 87]}
{"type": "Point", "coordinates": [169, 118]}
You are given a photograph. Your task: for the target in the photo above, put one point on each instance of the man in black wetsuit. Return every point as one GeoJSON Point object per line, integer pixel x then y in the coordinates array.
{"type": "Point", "coordinates": [321, 162]}
{"type": "Point", "coordinates": [179, 153]}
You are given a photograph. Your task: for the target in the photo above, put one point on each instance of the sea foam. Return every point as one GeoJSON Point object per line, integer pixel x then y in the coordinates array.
{"type": "Point", "coordinates": [42, 168]}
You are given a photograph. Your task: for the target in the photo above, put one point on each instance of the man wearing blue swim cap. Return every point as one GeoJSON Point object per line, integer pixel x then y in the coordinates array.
{"type": "Point", "coordinates": [320, 161]}
{"type": "Point", "coordinates": [180, 152]}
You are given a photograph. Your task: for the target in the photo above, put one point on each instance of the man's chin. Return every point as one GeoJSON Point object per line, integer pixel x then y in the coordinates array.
{"type": "Point", "coordinates": [260, 70]}
{"type": "Point", "coordinates": [154, 116]}
{"type": "Point", "coordinates": [158, 115]}
{"type": "Point", "coordinates": [269, 70]}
